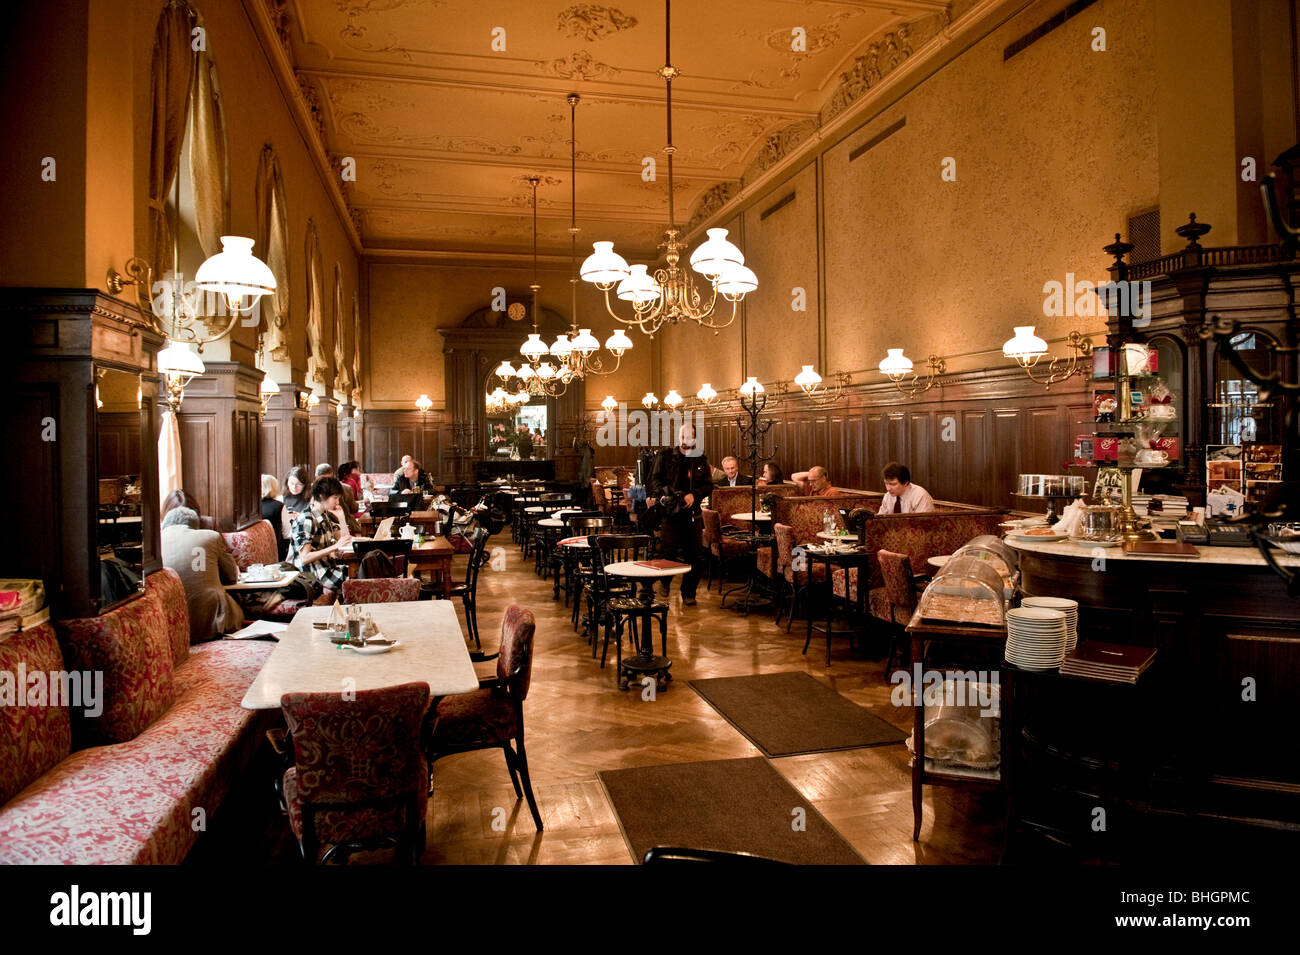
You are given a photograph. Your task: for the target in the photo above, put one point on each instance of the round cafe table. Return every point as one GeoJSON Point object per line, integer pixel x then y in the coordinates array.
{"type": "Point", "coordinates": [847, 538]}
{"type": "Point", "coordinates": [750, 517]}
{"type": "Point", "coordinates": [550, 522]}
{"type": "Point", "coordinates": [645, 661]}
{"type": "Point", "coordinates": [938, 562]}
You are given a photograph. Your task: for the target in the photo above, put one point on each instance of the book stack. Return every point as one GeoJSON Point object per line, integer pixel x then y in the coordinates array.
{"type": "Point", "coordinates": [22, 606]}
{"type": "Point", "coordinates": [1109, 662]}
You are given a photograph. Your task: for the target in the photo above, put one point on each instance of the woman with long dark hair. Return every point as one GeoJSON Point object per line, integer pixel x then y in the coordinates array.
{"type": "Point", "coordinates": [317, 538]}
{"type": "Point", "coordinates": [296, 499]}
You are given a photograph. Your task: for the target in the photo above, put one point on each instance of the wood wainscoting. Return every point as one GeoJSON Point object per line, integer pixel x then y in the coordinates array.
{"type": "Point", "coordinates": [964, 440]}
{"type": "Point", "coordinates": [221, 443]}
{"type": "Point", "coordinates": [386, 435]}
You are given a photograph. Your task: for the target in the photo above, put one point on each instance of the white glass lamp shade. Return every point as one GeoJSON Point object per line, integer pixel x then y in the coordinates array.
{"type": "Point", "coordinates": [715, 254]}
{"type": "Point", "coordinates": [610, 403]}
{"type": "Point", "coordinates": [525, 372]}
{"type": "Point", "coordinates": [585, 343]}
{"type": "Point", "coordinates": [534, 348]}
{"type": "Point", "coordinates": [520, 397]}
{"type": "Point", "coordinates": [807, 379]}
{"type": "Point", "coordinates": [649, 401]}
{"type": "Point", "coordinates": [706, 393]}
{"type": "Point", "coordinates": [562, 347]}
{"type": "Point", "coordinates": [1025, 346]}
{"type": "Point", "coordinates": [498, 394]}
{"type": "Point", "coordinates": [604, 267]}
{"type": "Point", "coordinates": [752, 386]}
{"type": "Point", "coordinates": [735, 282]}
{"type": "Point", "coordinates": [672, 399]}
{"type": "Point", "coordinates": [235, 272]}
{"type": "Point", "coordinates": [268, 386]}
{"type": "Point", "coordinates": [895, 364]}
{"type": "Point", "coordinates": [639, 288]}
{"type": "Point", "coordinates": [505, 370]}
{"type": "Point", "coordinates": [618, 343]}
{"type": "Point", "coordinates": [177, 359]}
{"type": "Point", "coordinates": [546, 371]}
{"type": "Point", "coordinates": [423, 403]}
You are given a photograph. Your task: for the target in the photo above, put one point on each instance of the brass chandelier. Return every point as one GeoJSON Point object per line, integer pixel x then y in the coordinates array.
{"type": "Point", "coordinates": [671, 296]}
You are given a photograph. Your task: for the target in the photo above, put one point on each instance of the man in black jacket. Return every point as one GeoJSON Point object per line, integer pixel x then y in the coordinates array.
{"type": "Point", "coordinates": [679, 481]}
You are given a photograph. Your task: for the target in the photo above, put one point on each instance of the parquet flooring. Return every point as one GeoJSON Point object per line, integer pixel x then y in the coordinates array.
{"type": "Point", "coordinates": [578, 722]}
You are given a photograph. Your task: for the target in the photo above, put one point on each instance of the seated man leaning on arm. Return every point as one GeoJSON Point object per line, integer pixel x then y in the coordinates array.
{"type": "Point", "coordinates": [901, 495]}
{"type": "Point", "coordinates": [814, 482]}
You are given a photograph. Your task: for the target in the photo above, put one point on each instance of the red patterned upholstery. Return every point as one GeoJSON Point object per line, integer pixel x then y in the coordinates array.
{"type": "Point", "coordinates": [381, 590]}
{"type": "Point", "coordinates": [256, 544]}
{"type": "Point", "coordinates": [166, 588]}
{"type": "Point", "coordinates": [347, 751]}
{"type": "Point", "coordinates": [877, 601]}
{"type": "Point", "coordinates": [837, 582]}
{"type": "Point", "coordinates": [32, 738]}
{"type": "Point", "coordinates": [729, 500]}
{"type": "Point", "coordinates": [805, 515]}
{"type": "Point", "coordinates": [481, 717]}
{"type": "Point", "coordinates": [764, 558]}
{"type": "Point", "coordinates": [922, 536]}
{"type": "Point", "coordinates": [785, 541]}
{"type": "Point", "coordinates": [134, 802]}
{"type": "Point", "coordinates": [132, 647]}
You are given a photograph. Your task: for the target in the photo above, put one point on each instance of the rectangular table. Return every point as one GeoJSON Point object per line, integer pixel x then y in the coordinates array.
{"type": "Point", "coordinates": [433, 651]}
{"type": "Point", "coordinates": [434, 554]}
{"type": "Point", "coordinates": [284, 580]}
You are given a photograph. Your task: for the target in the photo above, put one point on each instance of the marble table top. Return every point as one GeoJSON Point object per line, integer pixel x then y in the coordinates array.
{"type": "Point", "coordinates": [1240, 556]}
{"type": "Point", "coordinates": [632, 568]}
{"type": "Point", "coordinates": [432, 651]}
{"type": "Point", "coordinates": [285, 578]}
{"type": "Point", "coordinates": [751, 516]}
{"type": "Point", "coordinates": [550, 522]}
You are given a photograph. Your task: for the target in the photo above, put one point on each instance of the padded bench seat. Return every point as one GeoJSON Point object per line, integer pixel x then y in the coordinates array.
{"type": "Point", "coordinates": [133, 802]}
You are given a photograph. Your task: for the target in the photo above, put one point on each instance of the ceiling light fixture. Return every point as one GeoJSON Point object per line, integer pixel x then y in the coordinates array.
{"type": "Point", "coordinates": [670, 296]}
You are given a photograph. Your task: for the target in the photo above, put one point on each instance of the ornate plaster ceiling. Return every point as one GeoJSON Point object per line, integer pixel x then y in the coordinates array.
{"type": "Point", "coordinates": [445, 130]}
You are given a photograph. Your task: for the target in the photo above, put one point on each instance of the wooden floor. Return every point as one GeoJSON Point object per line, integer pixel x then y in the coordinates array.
{"type": "Point", "coordinates": [578, 722]}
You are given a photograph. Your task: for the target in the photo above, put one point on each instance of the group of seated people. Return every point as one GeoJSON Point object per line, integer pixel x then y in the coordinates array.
{"type": "Point", "coordinates": [901, 495]}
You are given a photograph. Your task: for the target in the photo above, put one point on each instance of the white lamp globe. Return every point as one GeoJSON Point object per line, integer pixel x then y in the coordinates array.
{"type": "Point", "coordinates": [715, 254]}
{"type": "Point", "coordinates": [236, 273]}
{"type": "Point", "coordinates": [604, 267]}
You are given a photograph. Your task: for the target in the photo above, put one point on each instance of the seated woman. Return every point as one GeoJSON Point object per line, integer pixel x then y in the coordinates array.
{"type": "Point", "coordinates": [273, 511]}
{"type": "Point", "coordinates": [317, 538]}
{"type": "Point", "coordinates": [296, 499]}
{"type": "Point", "coordinates": [771, 475]}
{"type": "Point", "coordinates": [204, 563]}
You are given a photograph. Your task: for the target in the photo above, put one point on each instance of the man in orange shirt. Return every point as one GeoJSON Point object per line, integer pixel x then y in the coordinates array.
{"type": "Point", "coordinates": [814, 482]}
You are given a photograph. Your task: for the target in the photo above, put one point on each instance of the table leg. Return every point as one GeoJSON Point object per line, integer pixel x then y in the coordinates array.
{"type": "Point", "coordinates": [918, 741]}
{"type": "Point", "coordinates": [446, 577]}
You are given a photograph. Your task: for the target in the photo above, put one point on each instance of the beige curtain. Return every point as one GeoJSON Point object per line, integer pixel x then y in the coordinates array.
{"type": "Point", "coordinates": [273, 242]}
{"type": "Point", "coordinates": [208, 157]}
{"type": "Point", "coordinates": [171, 75]}
{"type": "Point", "coordinates": [316, 360]}
{"type": "Point", "coordinates": [356, 351]}
{"type": "Point", "coordinates": [340, 353]}
{"type": "Point", "coordinates": [169, 455]}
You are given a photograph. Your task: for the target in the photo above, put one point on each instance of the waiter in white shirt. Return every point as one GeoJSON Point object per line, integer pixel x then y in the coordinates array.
{"type": "Point", "coordinates": [901, 495]}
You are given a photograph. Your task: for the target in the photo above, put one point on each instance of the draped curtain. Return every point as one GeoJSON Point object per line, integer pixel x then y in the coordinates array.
{"type": "Point", "coordinates": [356, 351]}
{"type": "Point", "coordinates": [208, 164]}
{"type": "Point", "coordinates": [340, 354]}
{"type": "Point", "coordinates": [316, 360]}
{"type": "Point", "coordinates": [273, 239]}
{"type": "Point", "coordinates": [169, 455]}
{"type": "Point", "coordinates": [171, 76]}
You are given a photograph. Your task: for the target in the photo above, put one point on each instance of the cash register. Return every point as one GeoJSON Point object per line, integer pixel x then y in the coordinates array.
{"type": "Point", "coordinates": [1215, 534]}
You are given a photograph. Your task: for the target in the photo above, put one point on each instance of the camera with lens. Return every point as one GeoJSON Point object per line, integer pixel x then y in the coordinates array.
{"type": "Point", "coordinates": [670, 505]}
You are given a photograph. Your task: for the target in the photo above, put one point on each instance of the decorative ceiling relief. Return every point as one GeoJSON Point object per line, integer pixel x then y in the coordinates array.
{"type": "Point", "coordinates": [356, 35]}
{"type": "Point", "coordinates": [712, 200]}
{"type": "Point", "coordinates": [278, 11]}
{"type": "Point", "coordinates": [882, 57]}
{"type": "Point", "coordinates": [777, 146]}
{"type": "Point", "coordinates": [312, 99]}
{"type": "Point", "coordinates": [581, 65]}
{"type": "Point", "coordinates": [592, 22]}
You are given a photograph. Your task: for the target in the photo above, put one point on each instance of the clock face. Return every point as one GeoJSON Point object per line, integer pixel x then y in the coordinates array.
{"type": "Point", "coordinates": [516, 311]}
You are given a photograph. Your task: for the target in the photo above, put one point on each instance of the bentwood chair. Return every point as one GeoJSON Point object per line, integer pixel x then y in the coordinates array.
{"type": "Point", "coordinates": [493, 715]}
{"type": "Point", "coordinates": [576, 563]}
{"type": "Point", "coordinates": [617, 600]}
{"type": "Point", "coordinates": [359, 779]}
{"type": "Point", "coordinates": [468, 591]}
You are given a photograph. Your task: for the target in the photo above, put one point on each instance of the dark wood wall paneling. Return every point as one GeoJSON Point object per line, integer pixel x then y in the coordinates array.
{"type": "Point", "coordinates": [221, 443]}
{"type": "Point", "coordinates": [283, 434]}
{"type": "Point", "coordinates": [387, 435]}
{"type": "Point", "coordinates": [323, 434]}
{"type": "Point", "coordinates": [119, 443]}
{"type": "Point", "coordinates": [1000, 425]}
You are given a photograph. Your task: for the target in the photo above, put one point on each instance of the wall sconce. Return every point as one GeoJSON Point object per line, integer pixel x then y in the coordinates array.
{"type": "Point", "coordinates": [180, 366]}
{"type": "Point", "coordinates": [649, 401]}
{"type": "Point", "coordinates": [265, 390]}
{"type": "Point", "coordinates": [1027, 348]}
{"type": "Point", "coordinates": [673, 400]}
{"type": "Point", "coordinates": [423, 404]}
{"type": "Point", "coordinates": [896, 367]}
{"type": "Point", "coordinates": [810, 383]}
{"type": "Point", "coordinates": [751, 387]}
{"type": "Point", "coordinates": [610, 403]}
{"type": "Point", "coordinates": [706, 394]}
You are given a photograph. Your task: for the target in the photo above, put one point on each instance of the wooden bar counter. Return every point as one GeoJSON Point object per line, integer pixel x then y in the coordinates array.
{"type": "Point", "coordinates": [1218, 706]}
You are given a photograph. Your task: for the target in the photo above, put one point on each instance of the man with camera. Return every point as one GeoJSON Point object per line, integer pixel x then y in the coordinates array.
{"type": "Point", "coordinates": [679, 481]}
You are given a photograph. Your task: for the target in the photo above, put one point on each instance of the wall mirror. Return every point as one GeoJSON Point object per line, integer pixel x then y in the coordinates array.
{"type": "Point", "coordinates": [119, 429]}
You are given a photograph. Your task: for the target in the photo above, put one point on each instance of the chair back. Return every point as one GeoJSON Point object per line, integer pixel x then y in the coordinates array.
{"type": "Point", "coordinates": [515, 660]}
{"type": "Point", "coordinates": [357, 756]}
{"type": "Point", "coordinates": [557, 496]}
{"type": "Point", "coordinates": [580, 525]}
{"type": "Point", "coordinates": [615, 548]}
{"type": "Point", "coordinates": [256, 544]}
{"type": "Point", "coordinates": [900, 586]}
{"type": "Point", "coordinates": [784, 548]}
{"type": "Point", "coordinates": [381, 590]}
{"type": "Point", "coordinates": [568, 519]}
{"type": "Point", "coordinates": [478, 537]}
{"type": "Point", "coordinates": [712, 536]}
{"type": "Point", "coordinates": [399, 550]}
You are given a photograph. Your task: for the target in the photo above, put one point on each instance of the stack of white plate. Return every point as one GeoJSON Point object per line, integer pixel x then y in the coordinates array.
{"type": "Point", "coordinates": [1036, 638]}
{"type": "Point", "coordinates": [1067, 606]}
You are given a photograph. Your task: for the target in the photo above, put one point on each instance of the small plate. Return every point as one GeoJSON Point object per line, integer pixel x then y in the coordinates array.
{"type": "Point", "coordinates": [1047, 538]}
{"type": "Point", "coordinates": [1084, 543]}
{"type": "Point", "coordinates": [370, 649]}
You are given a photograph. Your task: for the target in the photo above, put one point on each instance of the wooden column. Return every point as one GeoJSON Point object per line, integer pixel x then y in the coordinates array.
{"type": "Point", "coordinates": [284, 433]}
{"type": "Point", "coordinates": [221, 443]}
{"type": "Point", "coordinates": [324, 433]}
